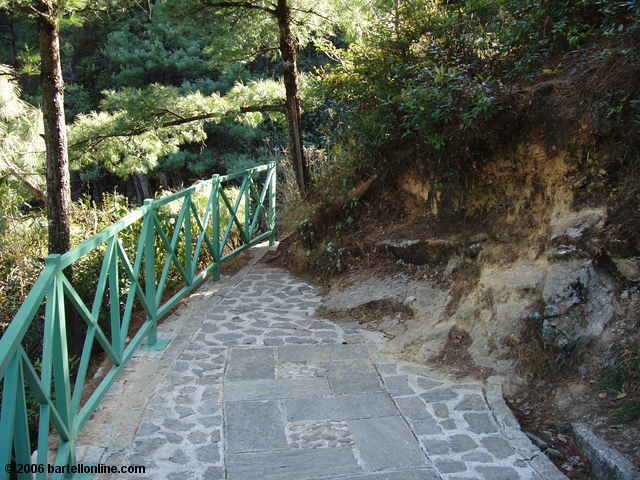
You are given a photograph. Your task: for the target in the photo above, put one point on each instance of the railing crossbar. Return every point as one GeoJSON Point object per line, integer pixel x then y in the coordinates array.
{"type": "Point", "coordinates": [43, 396]}
{"type": "Point", "coordinates": [90, 320]}
{"type": "Point", "coordinates": [170, 245]}
{"type": "Point", "coordinates": [131, 295]}
{"type": "Point", "coordinates": [202, 236]}
{"type": "Point", "coordinates": [233, 215]}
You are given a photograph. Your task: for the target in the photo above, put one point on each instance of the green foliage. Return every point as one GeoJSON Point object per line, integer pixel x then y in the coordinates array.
{"type": "Point", "coordinates": [532, 30]}
{"type": "Point", "coordinates": [630, 411]}
{"type": "Point", "coordinates": [239, 34]}
{"type": "Point", "coordinates": [147, 50]}
{"type": "Point", "coordinates": [432, 73]}
{"type": "Point", "coordinates": [20, 128]}
{"type": "Point", "coordinates": [139, 126]}
{"type": "Point", "coordinates": [622, 380]}
{"type": "Point", "coordinates": [23, 245]}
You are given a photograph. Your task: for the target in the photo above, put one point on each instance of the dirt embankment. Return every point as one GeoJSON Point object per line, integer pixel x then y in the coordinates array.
{"type": "Point", "coordinates": [523, 264]}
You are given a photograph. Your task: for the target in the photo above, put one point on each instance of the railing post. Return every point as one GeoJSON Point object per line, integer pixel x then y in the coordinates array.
{"type": "Point", "coordinates": [215, 207]}
{"type": "Point", "coordinates": [114, 300]}
{"type": "Point", "coordinates": [148, 230]}
{"type": "Point", "coordinates": [187, 241]}
{"type": "Point", "coordinates": [60, 356]}
{"type": "Point", "coordinates": [272, 206]}
{"type": "Point", "coordinates": [247, 209]}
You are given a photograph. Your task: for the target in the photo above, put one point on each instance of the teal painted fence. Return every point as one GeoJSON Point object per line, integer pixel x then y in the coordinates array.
{"type": "Point", "coordinates": [62, 409]}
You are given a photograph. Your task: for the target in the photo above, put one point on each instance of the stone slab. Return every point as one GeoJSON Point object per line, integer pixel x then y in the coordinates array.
{"type": "Point", "coordinates": [398, 385]}
{"type": "Point", "coordinates": [251, 364]}
{"type": "Point", "coordinates": [272, 389]}
{"type": "Point", "coordinates": [293, 464]}
{"type": "Point", "coordinates": [321, 353]}
{"type": "Point", "coordinates": [386, 443]}
{"type": "Point", "coordinates": [344, 407]}
{"type": "Point", "coordinates": [254, 426]}
{"type": "Point", "coordinates": [422, 474]}
{"type": "Point", "coordinates": [413, 407]}
{"type": "Point", "coordinates": [354, 383]}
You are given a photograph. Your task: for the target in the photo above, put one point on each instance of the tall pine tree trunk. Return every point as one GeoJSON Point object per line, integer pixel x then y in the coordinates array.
{"type": "Point", "coordinates": [289, 51]}
{"type": "Point", "coordinates": [55, 133]}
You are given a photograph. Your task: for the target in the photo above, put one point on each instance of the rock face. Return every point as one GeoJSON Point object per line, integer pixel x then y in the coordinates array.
{"type": "Point", "coordinates": [578, 302]}
{"type": "Point", "coordinates": [560, 296]}
{"type": "Point", "coordinates": [426, 300]}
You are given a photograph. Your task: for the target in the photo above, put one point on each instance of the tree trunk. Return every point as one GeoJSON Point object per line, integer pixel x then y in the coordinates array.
{"type": "Point", "coordinates": [141, 188]}
{"type": "Point", "coordinates": [55, 134]}
{"type": "Point", "coordinates": [58, 178]}
{"type": "Point", "coordinates": [14, 47]}
{"type": "Point", "coordinates": [289, 51]}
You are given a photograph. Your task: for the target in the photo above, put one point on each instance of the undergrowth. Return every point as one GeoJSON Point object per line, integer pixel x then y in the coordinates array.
{"type": "Point", "coordinates": [622, 380]}
{"type": "Point", "coordinates": [440, 77]}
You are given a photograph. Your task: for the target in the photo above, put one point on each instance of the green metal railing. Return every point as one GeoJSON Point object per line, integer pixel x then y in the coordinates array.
{"type": "Point", "coordinates": [62, 409]}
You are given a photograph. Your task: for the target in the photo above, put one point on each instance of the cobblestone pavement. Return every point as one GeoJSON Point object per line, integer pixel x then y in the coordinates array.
{"type": "Point", "coordinates": [264, 390]}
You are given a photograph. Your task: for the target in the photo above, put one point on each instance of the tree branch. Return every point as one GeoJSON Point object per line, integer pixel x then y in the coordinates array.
{"type": "Point", "coordinates": [225, 4]}
{"type": "Point", "coordinates": [13, 170]}
{"type": "Point", "coordinates": [313, 12]}
{"type": "Point", "coordinates": [255, 54]}
{"type": "Point", "coordinates": [262, 108]}
{"type": "Point", "coordinates": [174, 123]}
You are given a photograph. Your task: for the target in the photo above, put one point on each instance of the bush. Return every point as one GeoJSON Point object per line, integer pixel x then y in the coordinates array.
{"type": "Point", "coordinates": [432, 74]}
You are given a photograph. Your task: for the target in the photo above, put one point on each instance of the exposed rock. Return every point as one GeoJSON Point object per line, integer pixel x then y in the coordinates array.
{"type": "Point", "coordinates": [578, 301]}
{"type": "Point", "coordinates": [421, 252]}
{"type": "Point", "coordinates": [526, 277]}
{"type": "Point", "coordinates": [425, 334]}
{"type": "Point", "coordinates": [629, 268]}
{"type": "Point", "coordinates": [568, 298]}
{"type": "Point", "coordinates": [575, 226]}
{"type": "Point", "coordinates": [537, 441]}
{"type": "Point", "coordinates": [606, 463]}
{"type": "Point", "coordinates": [566, 252]}
{"type": "Point", "coordinates": [372, 289]}
{"type": "Point", "coordinates": [453, 264]}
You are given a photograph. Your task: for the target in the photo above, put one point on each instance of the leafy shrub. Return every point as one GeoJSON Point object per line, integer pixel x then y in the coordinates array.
{"type": "Point", "coordinates": [432, 74]}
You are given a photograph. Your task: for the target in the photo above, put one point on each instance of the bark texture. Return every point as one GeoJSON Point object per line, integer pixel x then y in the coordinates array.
{"type": "Point", "coordinates": [55, 133]}
{"type": "Point", "coordinates": [289, 52]}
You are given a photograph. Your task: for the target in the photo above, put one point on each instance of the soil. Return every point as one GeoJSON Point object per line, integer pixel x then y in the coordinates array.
{"type": "Point", "coordinates": [456, 358]}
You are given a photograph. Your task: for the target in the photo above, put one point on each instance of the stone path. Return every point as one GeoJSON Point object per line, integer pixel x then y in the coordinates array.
{"type": "Point", "coordinates": [258, 388]}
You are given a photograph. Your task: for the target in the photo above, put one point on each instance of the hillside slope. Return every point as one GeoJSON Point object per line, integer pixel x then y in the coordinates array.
{"type": "Point", "coordinates": [524, 265]}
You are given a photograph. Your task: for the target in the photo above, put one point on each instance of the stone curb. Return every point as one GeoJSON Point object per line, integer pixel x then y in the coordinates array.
{"type": "Point", "coordinates": [606, 462]}
{"type": "Point", "coordinates": [510, 427]}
